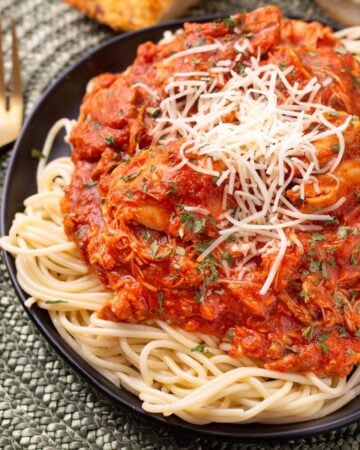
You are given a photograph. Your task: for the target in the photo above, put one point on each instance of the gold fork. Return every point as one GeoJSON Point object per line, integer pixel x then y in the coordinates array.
{"type": "Point", "coordinates": [12, 105]}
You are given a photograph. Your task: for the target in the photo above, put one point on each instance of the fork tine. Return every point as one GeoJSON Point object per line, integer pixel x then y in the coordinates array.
{"type": "Point", "coordinates": [16, 78]}
{"type": "Point", "coordinates": [2, 71]}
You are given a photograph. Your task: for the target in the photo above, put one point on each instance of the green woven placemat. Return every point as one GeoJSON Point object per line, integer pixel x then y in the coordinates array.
{"type": "Point", "coordinates": [44, 404]}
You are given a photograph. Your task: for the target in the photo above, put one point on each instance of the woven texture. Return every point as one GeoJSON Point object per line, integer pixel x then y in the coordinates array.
{"type": "Point", "coordinates": [44, 404]}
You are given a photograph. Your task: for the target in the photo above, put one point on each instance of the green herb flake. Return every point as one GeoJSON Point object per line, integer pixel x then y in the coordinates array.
{"type": "Point", "coordinates": [240, 68]}
{"type": "Point", "coordinates": [160, 300]}
{"type": "Point", "coordinates": [282, 66]}
{"type": "Point", "coordinates": [317, 237]}
{"type": "Point", "coordinates": [131, 176]}
{"type": "Point", "coordinates": [144, 188]}
{"type": "Point", "coordinates": [304, 295]}
{"type": "Point", "coordinates": [334, 114]}
{"type": "Point", "coordinates": [333, 221]}
{"type": "Point", "coordinates": [146, 235]}
{"type": "Point", "coordinates": [228, 21]}
{"type": "Point", "coordinates": [353, 260]}
{"type": "Point", "coordinates": [180, 251]}
{"type": "Point", "coordinates": [200, 295]}
{"type": "Point", "coordinates": [91, 184]}
{"type": "Point", "coordinates": [154, 247]}
{"type": "Point", "coordinates": [349, 352]}
{"type": "Point", "coordinates": [308, 332]}
{"type": "Point", "coordinates": [324, 271]}
{"type": "Point", "coordinates": [129, 194]}
{"type": "Point", "coordinates": [342, 331]}
{"type": "Point", "coordinates": [152, 168]}
{"type": "Point", "coordinates": [332, 261]}
{"type": "Point", "coordinates": [201, 348]}
{"type": "Point", "coordinates": [208, 268]}
{"type": "Point", "coordinates": [37, 154]}
{"type": "Point", "coordinates": [199, 225]}
{"type": "Point", "coordinates": [173, 189]}
{"type": "Point", "coordinates": [314, 266]}
{"type": "Point", "coordinates": [230, 334]}
{"type": "Point", "coordinates": [227, 257]}
{"type": "Point", "coordinates": [339, 301]}
{"type": "Point", "coordinates": [344, 231]}
{"type": "Point", "coordinates": [153, 112]}
{"type": "Point", "coordinates": [109, 140]}
{"type": "Point", "coordinates": [335, 148]}
{"type": "Point", "coordinates": [321, 338]}
{"type": "Point", "coordinates": [352, 295]}
{"type": "Point", "coordinates": [55, 302]}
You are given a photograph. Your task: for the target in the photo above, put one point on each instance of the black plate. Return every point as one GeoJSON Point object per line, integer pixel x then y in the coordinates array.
{"type": "Point", "coordinates": [63, 99]}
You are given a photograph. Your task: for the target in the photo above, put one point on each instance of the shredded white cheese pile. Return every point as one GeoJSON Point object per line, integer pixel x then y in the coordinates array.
{"type": "Point", "coordinates": [266, 147]}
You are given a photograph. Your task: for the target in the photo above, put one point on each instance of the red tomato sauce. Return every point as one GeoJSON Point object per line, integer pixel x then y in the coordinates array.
{"type": "Point", "coordinates": [124, 208]}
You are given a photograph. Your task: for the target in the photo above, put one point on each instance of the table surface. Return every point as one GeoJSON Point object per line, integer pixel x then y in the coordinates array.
{"type": "Point", "coordinates": [44, 404]}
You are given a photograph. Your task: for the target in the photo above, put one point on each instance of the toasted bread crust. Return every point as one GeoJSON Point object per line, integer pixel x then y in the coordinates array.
{"type": "Point", "coordinates": [131, 14]}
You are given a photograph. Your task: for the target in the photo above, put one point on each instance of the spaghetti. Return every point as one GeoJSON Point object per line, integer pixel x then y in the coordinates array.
{"type": "Point", "coordinates": [173, 371]}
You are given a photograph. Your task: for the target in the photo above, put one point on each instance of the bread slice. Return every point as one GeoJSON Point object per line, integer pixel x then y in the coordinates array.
{"type": "Point", "coordinates": [131, 14]}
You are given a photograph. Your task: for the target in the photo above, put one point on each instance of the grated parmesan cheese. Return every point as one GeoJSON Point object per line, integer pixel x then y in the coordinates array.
{"type": "Point", "coordinates": [266, 147]}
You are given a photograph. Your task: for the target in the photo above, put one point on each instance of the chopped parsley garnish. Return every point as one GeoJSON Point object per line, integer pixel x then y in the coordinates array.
{"type": "Point", "coordinates": [308, 332]}
{"type": "Point", "coordinates": [324, 271]}
{"type": "Point", "coordinates": [200, 295]}
{"type": "Point", "coordinates": [208, 268]}
{"type": "Point", "coordinates": [332, 261]}
{"type": "Point", "coordinates": [321, 338]}
{"type": "Point", "coordinates": [199, 225]}
{"type": "Point", "coordinates": [201, 348]}
{"type": "Point", "coordinates": [314, 265]}
{"type": "Point", "coordinates": [91, 184]}
{"type": "Point", "coordinates": [154, 247]}
{"type": "Point", "coordinates": [230, 334]}
{"type": "Point", "coordinates": [227, 257]}
{"type": "Point", "coordinates": [37, 154]}
{"type": "Point", "coordinates": [353, 260]}
{"type": "Point", "coordinates": [344, 231]}
{"type": "Point", "coordinates": [109, 140]}
{"type": "Point", "coordinates": [333, 221]}
{"type": "Point", "coordinates": [305, 295]}
{"type": "Point", "coordinates": [160, 300]}
{"type": "Point", "coordinates": [173, 188]}
{"type": "Point", "coordinates": [340, 302]}
{"type": "Point", "coordinates": [131, 176]}
{"type": "Point", "coordinates": [282, 66]}
{"type": "Point", "coordinates": [180, 251]}
{"type": "Point", "coordinates": [189, 220]}
{"type": "Point", "coordinates": [340, 51]}
{"type": "Point", "coordinates": [317, 237]}
{"type": "Point", "coordinates": [153, 112]}
{"type": "Point", "coordinates": [212, 220]}
{"type": "Point", "coordinates": [152, 168]}
{"type": "Point", "coordinates": [241, 69]}
{"type": "Point", "coordinates": [342, 331]}
{"type": "Point", "coordinates": [335, 148]}
{"type": "Point", "coordinates": [55, 302]}
{"type": "Point", "coordinates": [228, 21]}
{"type": "Point", "coordinates": [129, 194]}
{"type": "Point", "coordinates": [146, 235]}
{"type": "Point", "coordinates": [334, 114]}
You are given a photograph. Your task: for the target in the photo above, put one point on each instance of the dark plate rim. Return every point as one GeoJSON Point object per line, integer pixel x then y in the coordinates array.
{"type": "Point", "coordinates": [96, 380]}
